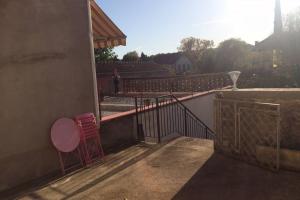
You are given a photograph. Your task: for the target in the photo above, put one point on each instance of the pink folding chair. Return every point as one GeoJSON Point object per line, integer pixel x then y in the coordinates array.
{"type": "Point", "coordinates": [90, 142]}
{"type": "Point", "coordinates": [65, 137]}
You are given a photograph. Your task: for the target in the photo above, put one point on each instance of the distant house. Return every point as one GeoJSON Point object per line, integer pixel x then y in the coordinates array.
{"type": "Point", "coordinates": [179, 61]}
{"type": "Point", "coordinates": [284, 46]}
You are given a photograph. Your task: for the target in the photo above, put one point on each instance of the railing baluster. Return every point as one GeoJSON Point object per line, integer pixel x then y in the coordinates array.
{"type": "Point", "coordinates": [173, 115]}
{"type": "Point", "coordinates": [153, 119]}
{"type": "Point", "coordinates": [137, 116]}
{"type": "Point", "coordinates": [168, 116]}
{"type": "Point", "coordinates": [192, 83]}
{"type": "Point", "coordinates": [158, 120]}
{"type": "Point", "coordinates": [185, 122]}
{"type": "Point", "coordinates": [148, 119]}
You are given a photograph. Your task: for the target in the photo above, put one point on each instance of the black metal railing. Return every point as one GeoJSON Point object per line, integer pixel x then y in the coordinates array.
{"type": "Point", "coordinates": [162, 117]}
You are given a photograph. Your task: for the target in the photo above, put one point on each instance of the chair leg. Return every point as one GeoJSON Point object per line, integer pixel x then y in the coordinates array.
{"type": "Point", "coordinates": [62, 165]}
{"type": "Point", "coordinates": [79, 155]}
{"type": "Point", "coordinates": [88, 157]}
{"type": "Point", "coordinates": [100, 146]}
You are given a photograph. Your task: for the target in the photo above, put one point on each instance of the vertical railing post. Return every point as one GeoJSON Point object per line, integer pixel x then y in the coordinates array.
{"type": "Point", "coordinates": [206, 132]}
{"type": "Point", "coordinates": [185, 122]}
{"type": "Point", "coordinates": [124, 86]}
{"type": "Point", "coordinates": [157, 120]}
{"type": "Point", "coordinates": [137, 117]}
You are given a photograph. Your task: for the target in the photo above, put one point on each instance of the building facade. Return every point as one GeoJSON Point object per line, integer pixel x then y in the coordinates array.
{"type": "Point", "coordinates": [47, 71]}
{"type": "Point", "coordinates": [179, 61]}
{"type": "Point", "coordinates": [283, 45]}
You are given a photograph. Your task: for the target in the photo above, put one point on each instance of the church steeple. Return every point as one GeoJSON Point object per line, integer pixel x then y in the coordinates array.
{"type": "Point", "coordinates": [278, 26]}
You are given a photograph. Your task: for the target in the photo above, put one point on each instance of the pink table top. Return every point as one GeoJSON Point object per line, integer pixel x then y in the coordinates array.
{"type": "Point", "coordinates": [65, 135]}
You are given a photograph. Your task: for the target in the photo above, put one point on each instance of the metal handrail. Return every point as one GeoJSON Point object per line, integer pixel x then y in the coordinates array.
{"type": "Point", "coordinates": [179, 76]}
{"type": "Point", "coordinates": [190, 112]}
{"type": "Point", "coordinates": [159, 118]}
{"type": "Point", "coordinates": [190, 83]}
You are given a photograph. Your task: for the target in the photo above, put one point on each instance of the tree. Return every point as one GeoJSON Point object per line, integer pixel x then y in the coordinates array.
{"type": "Point", "coordinates": [207, 61]}
{"type": "Point", "coordinates": [131, 56]}
{"type": "Point", "coordinates": [144, 57]}
{"type": "Point", "coordinates": [290, 44]}
{"type": "Point", "coordinates": [192, 44]}
{"type": "Point", "coordinates": [233, 54]}
{"type": "Point", "coordinates": [292, 22]}
{"type": "Point", "coordinates": [105, 54]}
{"type": "Point", "coordinates": [198, 51]}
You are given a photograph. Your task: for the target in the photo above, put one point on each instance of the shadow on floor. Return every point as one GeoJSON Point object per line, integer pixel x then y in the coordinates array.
{"type": "Point", "coordinates": [225, 178]}
{"type": "Point", "coordinates": [29, 191]}
{"type": "Point", "coordinates": [28, 188]}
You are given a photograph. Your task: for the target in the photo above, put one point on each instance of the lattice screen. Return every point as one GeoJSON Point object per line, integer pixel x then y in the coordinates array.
{"type": "Point", "coordinates": [249, 131]}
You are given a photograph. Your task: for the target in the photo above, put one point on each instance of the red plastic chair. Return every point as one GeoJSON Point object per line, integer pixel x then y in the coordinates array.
{"type": "Point", "coordinates": [90, 142]}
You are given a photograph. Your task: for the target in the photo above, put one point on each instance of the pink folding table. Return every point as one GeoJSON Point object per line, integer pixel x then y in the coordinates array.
{"type": "Point", "coordinates": [65, 136]}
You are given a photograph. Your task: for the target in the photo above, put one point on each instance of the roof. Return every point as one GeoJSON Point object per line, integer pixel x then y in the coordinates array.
{"type": "Point", "coordinates": [278, 41]}
{"type": "Point", "coordinates": [132, 69]}
{"type": "Point", "coordinates": [167, 59]}
{"type": "Point", "coordinates": [105, 32]}
{"type": "Point", "coordinates": [269, 43]}
{"type": "Point", "coordinates": [288, 43]}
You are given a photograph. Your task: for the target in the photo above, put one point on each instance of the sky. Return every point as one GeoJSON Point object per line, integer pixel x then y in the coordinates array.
{"type": "Point", "coordinates": [158, 26]}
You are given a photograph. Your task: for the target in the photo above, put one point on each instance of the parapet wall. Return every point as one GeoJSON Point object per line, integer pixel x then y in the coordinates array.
{"type": "Point", "coordinates": [289, 100]}
{"type": "Point", "coordinates": [260, 124]}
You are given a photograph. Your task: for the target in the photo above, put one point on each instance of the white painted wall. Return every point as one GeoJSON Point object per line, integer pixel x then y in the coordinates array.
{"type": "Point", "coordinates": [203, 108]}
{"type": "Point", "coordinates": [183, 60]}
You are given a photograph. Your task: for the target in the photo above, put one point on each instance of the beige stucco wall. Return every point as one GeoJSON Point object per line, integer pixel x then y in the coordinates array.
{"type": "Point", "coordinates": [289, 101]}
{"type": "Point", "coordinates": [46, 72]}
{"type": "Point", "coordinates": [261, 126]}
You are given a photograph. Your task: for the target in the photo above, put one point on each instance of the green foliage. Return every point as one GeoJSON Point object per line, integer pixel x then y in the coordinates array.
{"type": "Point", "coordinates": [292, 22]}
{"type": "Point", "coordinates": [131, 56]}
{"type": "Point", "coordinates": [207, 61]}
{"type": "Point", "coordinates": [200, 52]}
{"type": "Point", "coordinates": [144, 57]}
{"type": "Point", "coordinates": [285, 77]}
{"type": "Point", "coordinates": [256, 66]}
{"type": "Point", "coordinates": [192, 44]}
{"type": "Point", "coordinates": [105, 54]}
{"type": "Point", "coordinates": [233, 54]}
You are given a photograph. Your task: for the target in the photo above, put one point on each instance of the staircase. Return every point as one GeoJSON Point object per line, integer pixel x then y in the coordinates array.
{"type": "Point", "coordinates": [162, 118]}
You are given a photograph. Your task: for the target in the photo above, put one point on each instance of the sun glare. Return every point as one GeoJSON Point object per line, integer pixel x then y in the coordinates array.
{"type": "Point", "coordinates": [290, 5]}
{"type": "Point", "coordinates": [254, 19]}
{"type": "Point", "coordinates": [261, 5]}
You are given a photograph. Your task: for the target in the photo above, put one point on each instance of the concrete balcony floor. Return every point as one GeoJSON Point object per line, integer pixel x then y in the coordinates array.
{"type": "Point", "coordinates": [185, 168]}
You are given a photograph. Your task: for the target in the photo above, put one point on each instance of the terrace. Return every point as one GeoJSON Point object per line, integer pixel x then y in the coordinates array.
{"type": "Point", "coordinates": [164, 137]}
{"type": "Point", "coordinates": [249, 155]}
{"type": "Point", "coordinates": [184, 168]}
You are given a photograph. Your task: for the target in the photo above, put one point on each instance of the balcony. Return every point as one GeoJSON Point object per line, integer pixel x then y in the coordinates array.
{"type": "Point", "coordinates": [252, 146]}
{"type": "Point", "coordinates": [184, 168]}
